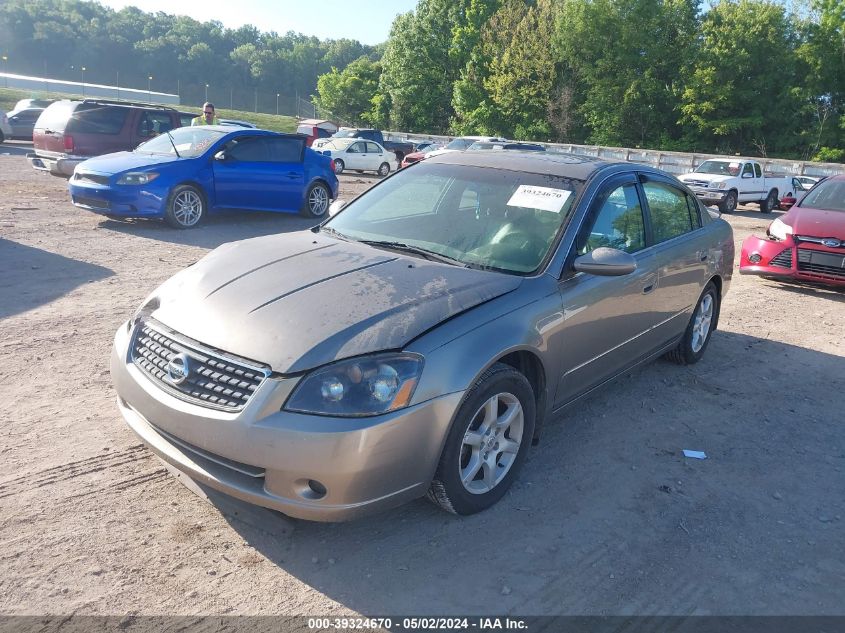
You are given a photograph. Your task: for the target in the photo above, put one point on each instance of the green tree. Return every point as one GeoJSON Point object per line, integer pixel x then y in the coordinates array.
{"type": "Point", "coordinates": [521, 80]}
{"type": "Point", "coordinates": [740, 95]}
{"type": "Point", "coordinates": [624, 62]}
{"type": "Point", "coordinates": [348, 94]}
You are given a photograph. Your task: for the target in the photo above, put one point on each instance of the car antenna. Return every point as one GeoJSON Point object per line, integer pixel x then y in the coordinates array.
{"type": "Point", "coordinates": [178, 155]}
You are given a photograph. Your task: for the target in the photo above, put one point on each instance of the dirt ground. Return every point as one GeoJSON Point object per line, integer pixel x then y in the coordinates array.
{"type": "Point", "coordinates": [607, 518]}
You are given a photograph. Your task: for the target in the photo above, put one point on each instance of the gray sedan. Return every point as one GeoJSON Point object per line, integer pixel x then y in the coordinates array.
{"type": "Point", "coordinates": [417, 341]}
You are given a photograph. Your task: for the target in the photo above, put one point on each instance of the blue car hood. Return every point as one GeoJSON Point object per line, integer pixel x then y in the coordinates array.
{"type": "Point", "coordinates": [123, 161]}
{"type": "Point", "coordinates": [297, 301]}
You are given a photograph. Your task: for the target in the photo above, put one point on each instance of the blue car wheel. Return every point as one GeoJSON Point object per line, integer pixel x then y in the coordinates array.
{"type": "Point", "coordinates": [316, 201]}
{"type": "Point", "coordinates": [185, 207]}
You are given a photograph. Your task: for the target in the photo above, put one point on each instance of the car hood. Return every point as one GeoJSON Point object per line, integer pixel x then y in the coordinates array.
{"type": "Point", "coordinates": [710, 178]}
{"type": "Point", "coordinates": [123, 161]}
{"type": "Point", "coordinates": [815, 222]}
{"type": "Point", "coordinates": [297, 301]}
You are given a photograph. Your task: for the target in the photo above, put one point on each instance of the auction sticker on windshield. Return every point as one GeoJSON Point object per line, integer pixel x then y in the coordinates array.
{"type": "Point", "coordinates": [544, 198]}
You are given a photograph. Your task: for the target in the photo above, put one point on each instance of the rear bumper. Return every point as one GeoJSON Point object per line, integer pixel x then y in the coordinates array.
{"type": "Point", "coordinates": [790, 260]}
{"type": "Point", "coordinates": [56, 166]}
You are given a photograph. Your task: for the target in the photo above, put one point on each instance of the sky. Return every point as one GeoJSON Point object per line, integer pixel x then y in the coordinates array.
{"type": "Point", "coordinates": [367, 21]}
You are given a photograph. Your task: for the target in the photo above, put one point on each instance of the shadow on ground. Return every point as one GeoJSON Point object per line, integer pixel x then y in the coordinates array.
{"type": "Point", "coordinates": [33, 277]}
{"type": "Point", "coordinates": [608, 517]}
{"type": "Point", "coordinates": [216, 229]}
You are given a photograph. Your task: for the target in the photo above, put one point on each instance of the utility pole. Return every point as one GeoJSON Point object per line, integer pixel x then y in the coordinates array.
{"type": "Point", "coordinates": [256, 100]}
{"type": "Point", "coordinates": [149, 89]}
{"type": "Point", "coordinates": [117, 83]}
{"type": "Point", "coordinates": [277, 104]}
{"type": "Point", "coordinates": [83, 80]}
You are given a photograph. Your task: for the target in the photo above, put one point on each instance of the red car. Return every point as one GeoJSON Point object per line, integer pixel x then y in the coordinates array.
{"type": "Point", "coordinates": [807, 243]}
{"type": "Point", "coordinates": [415, 157]}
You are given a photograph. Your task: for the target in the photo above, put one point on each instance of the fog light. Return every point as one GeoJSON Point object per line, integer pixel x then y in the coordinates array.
{"type": "Point", "coordinates": [755, 258]}
{"type": "Point", "coordinates": [310, 489]}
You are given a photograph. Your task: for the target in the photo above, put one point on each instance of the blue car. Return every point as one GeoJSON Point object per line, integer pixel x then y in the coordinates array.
{"type": "Point", "coordinates": [183, 174]}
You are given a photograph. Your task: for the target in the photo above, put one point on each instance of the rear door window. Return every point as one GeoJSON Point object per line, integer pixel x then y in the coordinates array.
{"type": "Point", "coordinates": [285, 150]}
{"type": "Point", "coordinates": [669, 210]}
{"type": "Point", "coordinates": [93, 118]}
{"type": "Point", "coordinates": [56, 116]}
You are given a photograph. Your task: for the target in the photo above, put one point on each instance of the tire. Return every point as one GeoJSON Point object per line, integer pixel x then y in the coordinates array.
{"type": "Point", "coordinates": [185, 207]}
{"type": "Point", "coordinates": [383, 170]}
{"type": "Point", "coordinates": [338, 166]}
{"type": "Point", "coordinates": [771, 202]}
{"type": "Point", "coordinates": [316, 201]}
{"type": "Point", "coordinates": [704, 320]}
{"type": "Point", "coordinates": [728, 205]}
{"type": "Point", "coordinates": [502, 395]}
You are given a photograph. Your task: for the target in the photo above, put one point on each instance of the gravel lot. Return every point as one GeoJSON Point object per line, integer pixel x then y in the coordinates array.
{"type": "Point", "coordinates": [608, 516]}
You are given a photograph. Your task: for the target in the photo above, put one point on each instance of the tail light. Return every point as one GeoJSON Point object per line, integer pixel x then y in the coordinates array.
{"type": "Point", "coordinates": [68, 143]}
{"type": "Point", "coordinates": [331, 162]}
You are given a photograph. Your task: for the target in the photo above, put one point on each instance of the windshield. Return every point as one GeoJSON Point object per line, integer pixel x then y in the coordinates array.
{"type": "Point", "coordinates": [719, 167]}
{"type": "Point", "coordinates": [460, 143]}
{"type": "Point", "coordinates": [337, 143]}
{"type": "Point", "coordinates": [481, 217]}
{"type": "Point", "coordinates": [828, 195]}
{"type": "Point", "coordinates": [190, 141]}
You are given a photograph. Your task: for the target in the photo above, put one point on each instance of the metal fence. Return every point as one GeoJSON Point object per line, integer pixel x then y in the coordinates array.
{"type": "Point", "coordinates": [42, 84]}
{"type": "Point", "coordinates": [672, 162]}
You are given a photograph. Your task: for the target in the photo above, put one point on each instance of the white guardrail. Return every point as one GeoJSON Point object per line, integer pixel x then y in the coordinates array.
{"type": "Point", "coordinates": [673, 162]}
{"type": "Point", "coordinates": [36, 85]}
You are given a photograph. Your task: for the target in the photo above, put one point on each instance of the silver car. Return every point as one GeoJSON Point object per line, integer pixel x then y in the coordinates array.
{"type": "Point", "coordinates": [417, 341]}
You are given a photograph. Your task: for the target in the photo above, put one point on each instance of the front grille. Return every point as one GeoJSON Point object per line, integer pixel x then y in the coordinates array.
{"type": "Point", "coordinates": [213, 380]}
{"type": "Point", "coordinates": [94, 203]}
{"type": "Point", "coordinates": [783, 259]}
{"type": "Point", "coordinates": [697, 183]}
{"type": "Point", "coordinates": [820, 240]}
{"type": "Point", "coordinates": [100, 180]}
{"type": "Point", "coordinates": [821, 264]}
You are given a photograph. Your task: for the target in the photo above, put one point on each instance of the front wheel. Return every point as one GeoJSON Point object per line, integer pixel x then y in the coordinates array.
{"type": "Point", "coordinates": [729, 203]}
{"type": "Point", "coordinates": [185, 207]}
{"type": "Point", "coordinates": [487, 443]}
{"type": "Point", "coordinates": [383, 170]}
{"type": "Point", "coordinates": [316, 201]}
{"type": "Point", "coordinates": [697, 335]}
{"type": "Point", "coordinates": [771, 202]}
{"type": "Point", "coordinates": [338, 166]}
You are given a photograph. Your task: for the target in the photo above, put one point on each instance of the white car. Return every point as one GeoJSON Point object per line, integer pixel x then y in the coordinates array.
{"type": "Point", "coordinates": [5, 128]}
{"type": "Point", "coordinates": [463, 142]}
{"type": "Point", "coordinates": [807, 181]}
{"type": "Point", "coordinates": [359, 155]}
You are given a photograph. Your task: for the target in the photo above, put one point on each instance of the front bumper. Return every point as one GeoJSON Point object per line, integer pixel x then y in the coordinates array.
{"type": "Point", "coordinates": [788, 259]}
{"type": "Point", "coordinates": [131, 201]}
{"type": "Point", "coordinates": [56, 166]}
{"type": "Point", "coordinates": [710, 196]}
{"type": "Point", "coordinates": [266, 456]}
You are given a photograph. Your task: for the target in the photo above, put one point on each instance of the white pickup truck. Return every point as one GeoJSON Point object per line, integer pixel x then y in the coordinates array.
{"type": "Point", "coordinates": [726, 182]}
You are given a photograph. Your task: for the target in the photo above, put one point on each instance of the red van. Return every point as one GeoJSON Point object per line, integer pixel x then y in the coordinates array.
{"type": "Point", "coordinates": [69, 132]}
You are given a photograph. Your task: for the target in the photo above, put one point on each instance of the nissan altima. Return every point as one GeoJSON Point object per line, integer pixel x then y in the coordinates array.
{"type": "Point", "coordinates": [416, 342]}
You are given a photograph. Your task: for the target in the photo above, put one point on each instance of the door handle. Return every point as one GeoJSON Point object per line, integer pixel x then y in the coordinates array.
{"type": "Point", "coordinates": [703, 256]}
{"type": "Point", "coordinates": [648, 289]}
{"type": "Point", "coordinates": [292, 175]}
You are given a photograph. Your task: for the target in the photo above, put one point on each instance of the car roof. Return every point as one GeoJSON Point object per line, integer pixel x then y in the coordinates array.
{"type": "Point", "coordinates": [564, 165]}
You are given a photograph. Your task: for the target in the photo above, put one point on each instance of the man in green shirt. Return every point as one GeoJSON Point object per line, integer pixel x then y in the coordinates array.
{"type": "Point", "coordinates": [207, 117]}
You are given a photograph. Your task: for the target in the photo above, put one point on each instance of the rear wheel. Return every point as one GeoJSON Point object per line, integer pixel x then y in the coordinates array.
{"type": "Point", "coordinates": [338, 166]}
{"type": "Point", "coordinates": [316, 201]}
{"type": "Point", "coordinates": [728, 205]}
{"type": "Point", "coordinates": [487, 443]}
{"type": "Point", "coordinates": [185, 207]}
{"type": "Point", "coordinates": [700, 328]}
{"type": "Point", "coordinates": [383, 170]}
{"type": "Point", "coordinates": [771, 202]}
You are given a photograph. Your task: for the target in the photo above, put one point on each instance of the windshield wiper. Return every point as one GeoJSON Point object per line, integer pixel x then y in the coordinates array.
{"type": "Point", "coordinates": [407, 248]}
{"type": "Point", "coordinates": [173, 144]}
{"type": "Point", "coordinates": [331, 231]}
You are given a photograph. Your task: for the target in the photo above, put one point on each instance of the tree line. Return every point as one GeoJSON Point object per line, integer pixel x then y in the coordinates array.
{"type": "Point", "coordinates": [57, 38]}
{"type": "Point", "coordinates": [737, 76]}
{"type": "Point", "coordinates": [740, 76]}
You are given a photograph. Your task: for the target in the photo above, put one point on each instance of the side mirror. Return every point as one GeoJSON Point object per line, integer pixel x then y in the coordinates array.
{"type": "Point", "coordinates": [221, 155]}
{"type": "Point", "coordinates": [606, 262]}
{"type": "Point", "coordinates": [335, 207]}
{"type": "Point", "coordinates": [747, 175]}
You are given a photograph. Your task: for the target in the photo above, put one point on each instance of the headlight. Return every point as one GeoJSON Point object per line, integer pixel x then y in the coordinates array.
{"type": "Point", "coordinates": [359, 387]}
{"type": "Point", "coordinates": [150, 305]}
{"type": "Point", "coordinates": [779, 230]}
{"type": "Point", "coordinates": [717, 185]}
{"type": "Point", "coordinates": [137, 178]}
